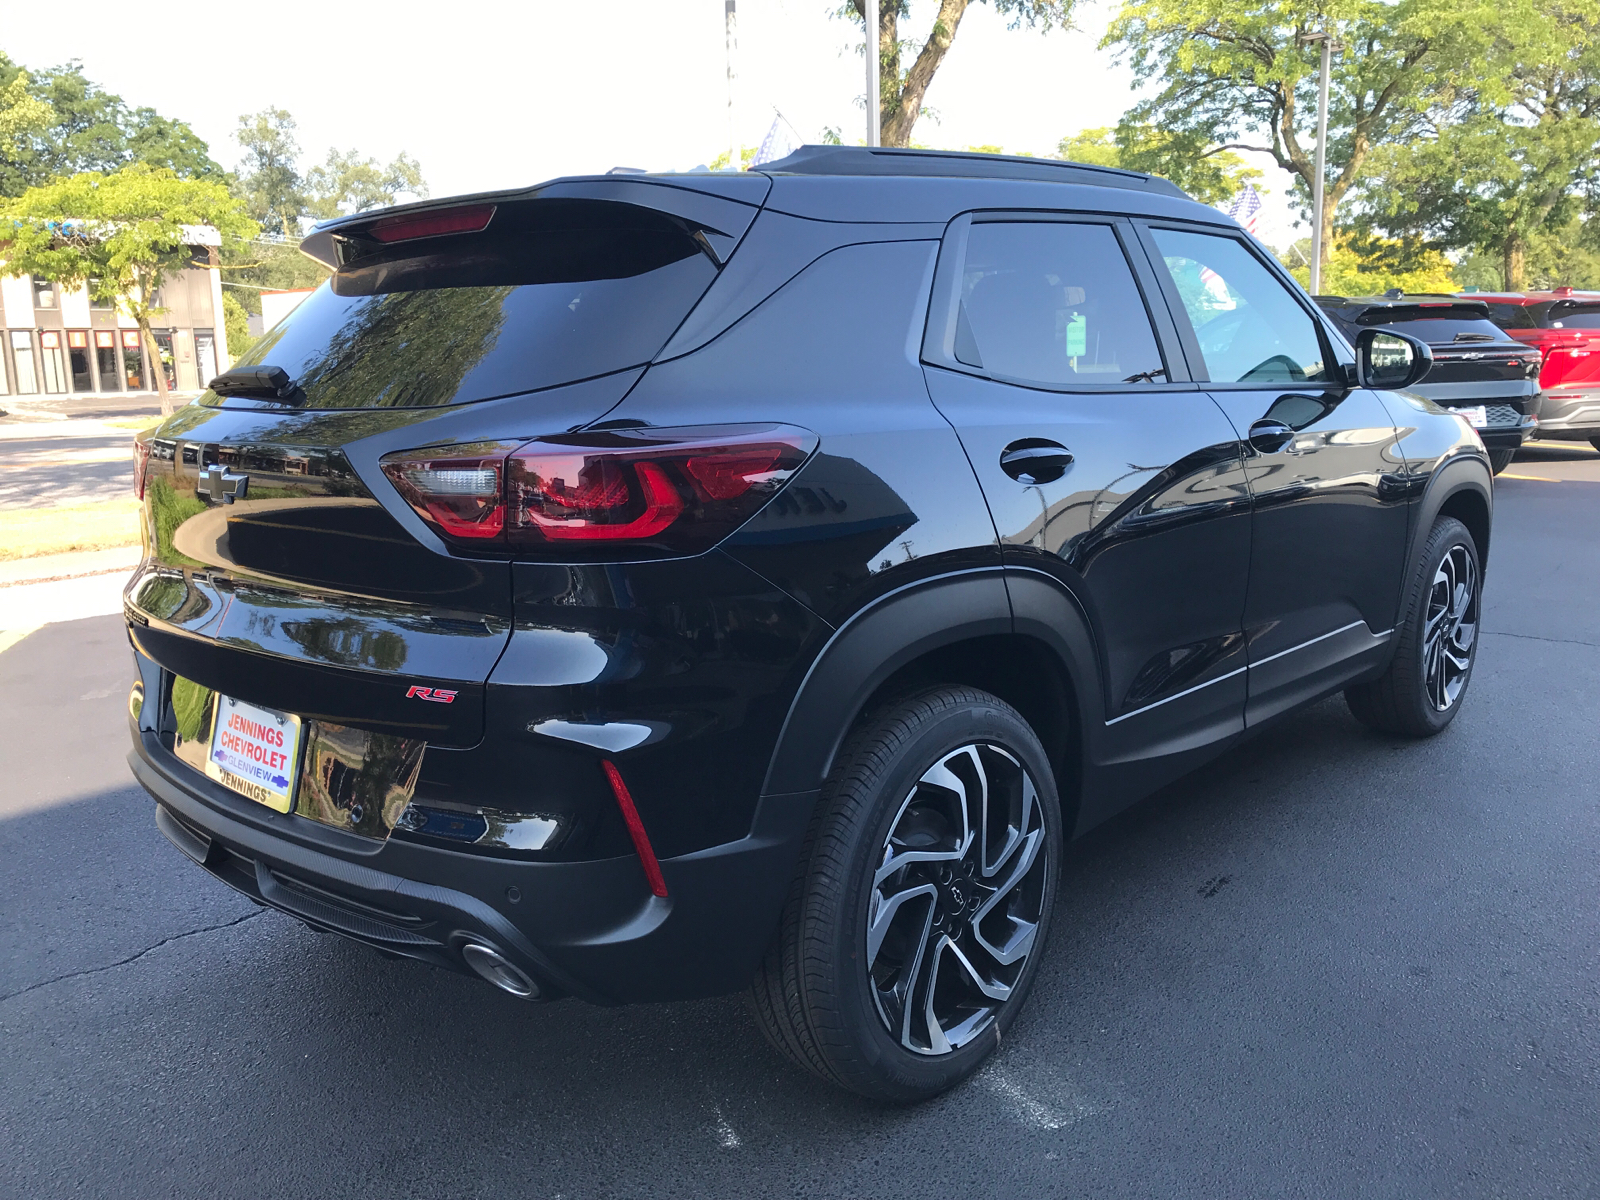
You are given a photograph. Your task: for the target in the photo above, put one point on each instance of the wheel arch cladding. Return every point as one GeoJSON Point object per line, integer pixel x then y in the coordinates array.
{"type": "Point", "coordinates": [953, 630]}
{"type": "Point", "coordinates": [1460, 487]}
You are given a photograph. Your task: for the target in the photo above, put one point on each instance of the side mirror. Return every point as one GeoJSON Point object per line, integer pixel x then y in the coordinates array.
{"type": "Point", "coordinates": [1390, 361]}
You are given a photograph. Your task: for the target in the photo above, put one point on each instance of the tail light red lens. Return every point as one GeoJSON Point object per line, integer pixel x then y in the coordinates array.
{"type": "Point", "coordinates": [141, 465]}
{"type": "Point", "coordinates": [653, 492]}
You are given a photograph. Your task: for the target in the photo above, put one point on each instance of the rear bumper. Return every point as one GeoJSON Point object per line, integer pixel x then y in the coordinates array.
{"type": "Point", "coordinates": [590, 929]}
{"type": "Point", "coordinates": [1570, 414]}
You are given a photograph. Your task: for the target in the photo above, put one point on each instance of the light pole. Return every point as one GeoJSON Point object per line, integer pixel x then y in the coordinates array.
{"type": "Point", "coordinates": [1328, 47]}
{"type": "Point", "coordinates": [730, 17]}
{"type": "Point", "coordinates": [874, 135]}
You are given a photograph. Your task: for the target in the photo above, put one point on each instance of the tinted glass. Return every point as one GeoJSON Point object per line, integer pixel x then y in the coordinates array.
{"type": "Point", "coordinates": [1250, 328]}
{"type": "Point", "coordinates": [1054, 304]}
{"type": "Point", "coordinates": [1512, 316]}
{"type": "Point", "coordinates": [1585, 316]}
{"type": "Point", "coordinates": [551, 292]}
{"type": "Point", "coordinates": [1441, 330]}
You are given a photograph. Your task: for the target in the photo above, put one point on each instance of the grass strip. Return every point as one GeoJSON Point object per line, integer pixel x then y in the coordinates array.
{"type": "Point", "coordinates": [30, 532]}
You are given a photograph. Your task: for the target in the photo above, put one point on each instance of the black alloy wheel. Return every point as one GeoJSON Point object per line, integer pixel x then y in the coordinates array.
{"type": "Point", "coordinates": [914, 928]}
{"type": "Point", "coordinates": [1422, 690]}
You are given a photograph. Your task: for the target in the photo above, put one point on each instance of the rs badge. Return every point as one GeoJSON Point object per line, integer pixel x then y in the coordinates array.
{"type": "Point", "coordinates": [437, 695]}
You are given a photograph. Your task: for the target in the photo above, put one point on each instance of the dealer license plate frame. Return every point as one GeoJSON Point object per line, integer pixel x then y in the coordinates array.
{"type": "Point", "coordinates": [279, 799]}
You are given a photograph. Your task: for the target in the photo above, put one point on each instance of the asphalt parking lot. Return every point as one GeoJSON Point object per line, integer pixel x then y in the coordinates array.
{"type": "Point", "coordinates": [1329, 965]}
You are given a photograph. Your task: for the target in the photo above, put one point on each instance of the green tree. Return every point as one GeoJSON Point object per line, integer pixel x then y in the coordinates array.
{"type": "Point", "coordinates": [901, 89]}
{"type": "Point", "coordinates": [1501, 161]}
{"type": "Point", "coordinates": [1210, 174]}
{"type": "Point", "coordinates": [1370, 267]}
{"type": "Point", "coordinates": [21, 114]}
{"type": "Point", "coordinates": [270, 182]}
{"type": "Point", "coordinates": [347, 183]}
{"type": "Point", "coordinates": [122, 233]}
{"type": "Point", "coordinates": [1237, 75]}
{"type": "Point", "coordinates": [90, 129]}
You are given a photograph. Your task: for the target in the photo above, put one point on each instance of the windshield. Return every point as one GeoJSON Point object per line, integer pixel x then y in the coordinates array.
{"type": "Point", "coordinates": [552, 292]}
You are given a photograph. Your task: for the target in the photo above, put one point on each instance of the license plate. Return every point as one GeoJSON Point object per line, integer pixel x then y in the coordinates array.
{"type": "Point", "coordinates": [255, 751]}
{"type": "Point", "coordinates": [1476, 417]}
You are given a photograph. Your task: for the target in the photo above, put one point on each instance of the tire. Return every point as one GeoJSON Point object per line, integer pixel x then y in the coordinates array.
{"type": "Point", "coordinates": [1595, 442]}
{"type": "Point", "coordinates": [1427, 679]}
{"type": "Point", "coordinates": [829, 994]}
{"type": "Point", "coordinates": [1501, 459]}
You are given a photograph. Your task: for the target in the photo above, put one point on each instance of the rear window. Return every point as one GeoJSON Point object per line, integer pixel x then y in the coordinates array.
{"type": "Point", "coordinates": [1574, 316]}
{"type": "Point", "coordinates": [553, 291]}
{"type": "Point", "coordinates": [1440, 330]}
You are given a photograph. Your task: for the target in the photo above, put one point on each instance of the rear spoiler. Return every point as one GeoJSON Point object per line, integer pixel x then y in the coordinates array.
{"type": "Point", "coordinates": [715, 210]}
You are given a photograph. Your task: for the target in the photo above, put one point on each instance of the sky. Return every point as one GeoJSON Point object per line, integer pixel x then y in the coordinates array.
{"type": "Point", "coordinates": [489, 94]}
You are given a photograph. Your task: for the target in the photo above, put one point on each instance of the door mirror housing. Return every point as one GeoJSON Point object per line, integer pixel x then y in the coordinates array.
{"type": "Point", "coordinates": [1390, 361]}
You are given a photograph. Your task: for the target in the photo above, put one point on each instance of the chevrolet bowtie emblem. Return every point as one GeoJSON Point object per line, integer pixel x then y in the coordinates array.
{"type": "Point", "coordinates": [219, 483]}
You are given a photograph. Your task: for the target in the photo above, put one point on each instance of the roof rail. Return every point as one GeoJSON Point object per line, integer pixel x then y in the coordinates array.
{"type": "Point", "coordinates": [886, 160]}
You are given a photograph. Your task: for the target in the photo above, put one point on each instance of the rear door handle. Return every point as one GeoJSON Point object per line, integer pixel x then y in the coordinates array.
{"type": "Point", "coordinates": [1270, 436]}
{"type": "Point", "coordinates": [1035, 460]}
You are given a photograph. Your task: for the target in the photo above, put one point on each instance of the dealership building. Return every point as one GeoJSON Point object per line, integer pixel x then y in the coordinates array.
{"type": "Point", "coordinates": [56, 340]}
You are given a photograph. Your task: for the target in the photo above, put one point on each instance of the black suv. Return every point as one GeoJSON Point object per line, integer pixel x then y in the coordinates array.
{"type": "Point", "coordinates": [1478, 371]}
{"type": "Point", "coordinates": [645, 587]}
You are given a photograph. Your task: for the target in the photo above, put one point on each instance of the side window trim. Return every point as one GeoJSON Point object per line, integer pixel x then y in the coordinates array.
{"type": "Point", "coordinates": [1333, 348]}
{"type": "Point", "coordinates": [940, 336]}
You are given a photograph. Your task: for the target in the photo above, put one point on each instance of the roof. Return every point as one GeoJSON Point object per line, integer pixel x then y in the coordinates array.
{"type": "Point", "coordinates": [1560, 293]}
{"type": "Point", "coordinates": [1412, 300]}
{"type": "Point", "coordinates": [886, 160]}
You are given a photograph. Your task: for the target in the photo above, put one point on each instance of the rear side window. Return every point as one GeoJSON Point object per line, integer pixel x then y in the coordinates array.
{"type": "Point", "coordinates": [1053, 303]}
{"type": "Point", "coordinates": [550, 292]}
{"type": "Point", "coordinates": [1512, 316]}
{"type": "Point", "coordinates": [1249, 326]}
{"type": "Point", "coordinates": [1575, 316]}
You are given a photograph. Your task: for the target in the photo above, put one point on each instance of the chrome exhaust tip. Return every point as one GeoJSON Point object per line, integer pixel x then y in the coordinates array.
{"type": "Point", "coordinates": [500, 971]}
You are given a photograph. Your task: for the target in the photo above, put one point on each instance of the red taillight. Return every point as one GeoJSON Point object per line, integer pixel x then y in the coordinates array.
{"type": "Point", "coordinates": [637, 492]}
{"type": "Point", "coordinates": [141, 466]}
{"type": "Point", "coordinates": [473, 218]}
{"type": "Point", "coordinates": [459, 490]}
{"type": "Point", "coordinates": [630, 818]}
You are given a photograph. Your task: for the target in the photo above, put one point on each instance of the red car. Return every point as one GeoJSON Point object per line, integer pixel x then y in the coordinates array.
{"type": "Point", "coordinates": [1565, 325]}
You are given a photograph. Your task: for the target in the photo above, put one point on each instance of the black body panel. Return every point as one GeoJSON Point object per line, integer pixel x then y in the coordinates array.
{"type": "Point", "coordinates": [1174, 585]}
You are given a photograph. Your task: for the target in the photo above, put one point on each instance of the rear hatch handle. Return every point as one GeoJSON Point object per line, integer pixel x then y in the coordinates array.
{"type": "Point", "coordinates": [260, 383]}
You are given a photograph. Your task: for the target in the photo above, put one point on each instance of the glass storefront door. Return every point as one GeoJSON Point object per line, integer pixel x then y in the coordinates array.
{"type": "Point", "coordinates": [78, 360]}
{"type": "Point", "coordinates": [22, 359]}
{"type": "Point", "coordinates": [132, 360]}
{"type": "Point", "coordinates": [205, 356]}
{"type": "Point", "coordinates": [105, 360]}
{"type": "Point", "coordinates": [53, 362]}
{"type": "Point", "coordinates": [169, 361]}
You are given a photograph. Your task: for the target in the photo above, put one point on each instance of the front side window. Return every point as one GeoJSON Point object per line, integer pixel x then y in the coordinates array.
{"type": "Point", "coordinates": [1249, 326]}
{"type": "Point", "coordinates": [1054, 303]}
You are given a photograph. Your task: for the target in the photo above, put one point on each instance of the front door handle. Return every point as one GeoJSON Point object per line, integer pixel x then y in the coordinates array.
{"type": "Point", "coordinates": [1270, 436]}
{"type": "Point", "coordinates": [1035, 460]}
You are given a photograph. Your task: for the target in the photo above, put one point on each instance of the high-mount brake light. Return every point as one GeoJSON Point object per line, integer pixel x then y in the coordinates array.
{"type": "Point", "coordinates": [472, 218]}
{"type": "Point", "coordinates": [458, 490]}
{"type": "Point", "coordinates": [647, 492]}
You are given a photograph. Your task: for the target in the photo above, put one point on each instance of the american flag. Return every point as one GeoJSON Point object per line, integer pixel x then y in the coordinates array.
{"type": "Point", "coordinates": [1246, 208]}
